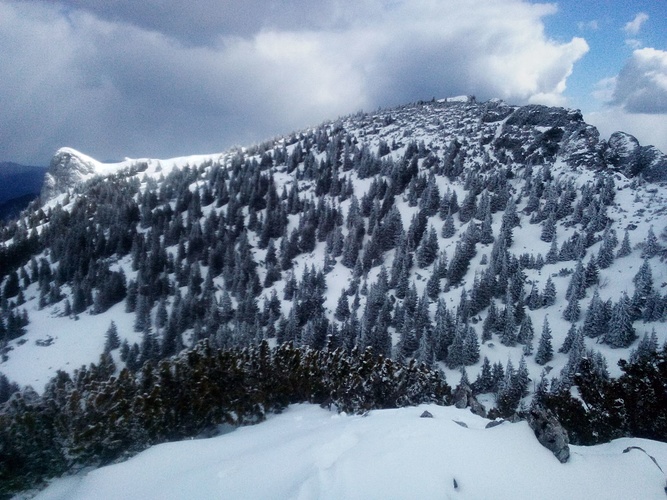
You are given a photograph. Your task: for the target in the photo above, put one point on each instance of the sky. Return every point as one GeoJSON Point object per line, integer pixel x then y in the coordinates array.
{"type": "Point", "coordinates": [166, 78]}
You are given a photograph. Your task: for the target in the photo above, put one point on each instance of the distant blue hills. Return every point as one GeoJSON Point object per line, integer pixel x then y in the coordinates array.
{"type": "Point", "coordinates": [19, 185]}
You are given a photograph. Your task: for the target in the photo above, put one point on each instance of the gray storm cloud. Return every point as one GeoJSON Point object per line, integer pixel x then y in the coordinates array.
{"type": "Point", "coordinates": [641, 86]}
{"type": "Point", "coordinates": [130, 79]}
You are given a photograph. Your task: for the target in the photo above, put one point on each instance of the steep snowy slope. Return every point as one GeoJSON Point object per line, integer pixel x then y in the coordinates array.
{"type": "Point", "coordinates": [506, 246]}
{"type": "Point", "coordinates": [364, 198]}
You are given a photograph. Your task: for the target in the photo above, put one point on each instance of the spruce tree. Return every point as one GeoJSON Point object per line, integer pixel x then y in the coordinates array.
{"type": "Point", "coordinates": [625, 249]}
{"type": "Point", "coordinates": [526, 335]}
{"type": "Point", "coordinates": [572, 312]}
{"type": "Point", "coordinates": [112, 340]}
{"type": "Point", "coordinates": [651, 245]}
{"type": "Point", "coordinates": [448, 228]}
{"type": "Point", "coordinates": [621, 332]}
{"type": "Point", "coordinates": [544, 352]}
{"type": "Point", "coordinates": [549, 293]}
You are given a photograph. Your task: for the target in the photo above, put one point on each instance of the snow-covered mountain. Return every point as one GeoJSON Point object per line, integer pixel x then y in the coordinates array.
{"type": "Point", "coordinates": [507, 246]}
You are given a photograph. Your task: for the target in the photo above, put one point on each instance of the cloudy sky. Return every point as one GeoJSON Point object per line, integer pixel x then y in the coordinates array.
{"type": "Point", "coordinates": [163, 78]}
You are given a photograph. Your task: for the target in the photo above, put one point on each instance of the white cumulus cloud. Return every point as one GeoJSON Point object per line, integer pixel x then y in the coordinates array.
{"type": "Point", "coordinates": [633, 27]}
{"type": "Point", "coordinates": [115, 81]}
{"type": "Point", "coordinates": [641, 86]}
{"type": "Point", "coordinates": [635, 99]}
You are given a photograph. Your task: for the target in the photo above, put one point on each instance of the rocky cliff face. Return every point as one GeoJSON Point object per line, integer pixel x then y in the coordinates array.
{"type": "Point", "coordinates": [625, 154]}
{"type": "Point", "coordinates": [67, 168]}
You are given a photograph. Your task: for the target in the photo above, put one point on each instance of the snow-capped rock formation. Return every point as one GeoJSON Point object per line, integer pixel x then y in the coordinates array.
{"type": "Point", "coordinates": [68, 168]}
{"type": "Point", "coordinates": [626, 155]}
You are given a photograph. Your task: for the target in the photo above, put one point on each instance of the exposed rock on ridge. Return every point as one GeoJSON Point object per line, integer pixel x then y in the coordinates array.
{"type": "Point", "coordinates": [626, 155]}
{"type": "Point", "coordinates": [67, 168]}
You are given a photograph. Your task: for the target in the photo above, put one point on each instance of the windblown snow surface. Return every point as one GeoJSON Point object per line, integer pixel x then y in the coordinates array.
{"type": "Point", "coordinates": [311, 453]}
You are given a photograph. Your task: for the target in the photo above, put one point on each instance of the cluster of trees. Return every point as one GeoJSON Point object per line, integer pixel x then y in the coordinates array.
{"type": "Point", "coordinates": [631, 405]}
{"type": "Point", "coordinates": [95, 417]}
{"type": "Point", "coordinates": [212, 250]}
{"type": "Point", "coordinates": [195, 238]}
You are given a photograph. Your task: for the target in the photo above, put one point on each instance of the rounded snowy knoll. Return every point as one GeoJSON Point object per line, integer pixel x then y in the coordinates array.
{"type": "Point", "coordinates": [311, 453]}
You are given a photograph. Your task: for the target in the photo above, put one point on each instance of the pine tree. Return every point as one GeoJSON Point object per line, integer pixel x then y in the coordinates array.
{"type": "Point", "coordinates": [448, 228]}
{"type": "Point", "coordinates": [428, 249]}
{"type": "Point", "coordinates": [572, 312]}
{"type": "Point", "coordinates": [484, 382]}
{"type": "Point", "coordinates": [605, 256]}
{"type": "Point", "coordinates": [549, 293]}
{"type": "Point", "coordinates": [625, 249]}
{"type": "Point", "coordinates": [433, 286]}
{"type": "Point", "coordinates": [486, 231]}
{"type": "Point", "coordinates": [544, 352]}
{"type": "Point", "coordinates": [595, 323]}
{"type": "Point", "coordinates": [643, 281]}
{"type": "Point", "coordinates": [651, 245]}
{"type": "Point", "coordinates": [552, 256]}
{"type": "Point", "coordinates": [490, 323]}
{"type": "Point", "coordinates": [508, 333]}
{"type": "Point", "coordinates": [468, 207]}
{"type": "Point", "coordinates": [647, 347]}
{"type": "Point", "coordinates": [576, 287]}
{"type": "Point", "coordinates": [112, 340]}
{"type": "Point", "coordinates": [455, 351]}
{"type": "Point", "coordinates": [342, 308]}
{"type": "Point", "coordinates": [591, 274]}
{"type": "Point", "coordinates": [471, 347]}
{"type": "Point", "coordinates": [522, 377]}
{"type": "Point", "coordinates": [526, 335]}
{"type": "Point", "coordinates": [569, 339]}
{"type": "Point", "coordinates": [549, 228]}
{"type": "Point", "coordinates": [534, 301]}
{"type": "Point", "coordinates": [621, 332]}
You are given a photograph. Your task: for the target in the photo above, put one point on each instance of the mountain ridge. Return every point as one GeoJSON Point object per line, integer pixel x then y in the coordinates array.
{"type": "Point", "coordinates": [506, 247]}
{"type": "Point", "coordinates": [581, 145]}
{"type": "Point", "coordinates": [470, 135]}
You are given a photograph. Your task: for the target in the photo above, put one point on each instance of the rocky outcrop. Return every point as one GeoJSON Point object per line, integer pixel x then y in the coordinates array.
{"type": "Point", "coordinates": [549, 432]}
{"type": "Point", "coordinates": [67, 168]}
{"type": "Point", "coordinates": [537, 134]}
{"type": "Point", "coordinates": [626, 155]}
{"type": "Point", "coordinates": [464, 398]}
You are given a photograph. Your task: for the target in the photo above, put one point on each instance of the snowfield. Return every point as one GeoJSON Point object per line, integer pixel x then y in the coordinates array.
{"type": "Point", "coordinates": [311, 453]}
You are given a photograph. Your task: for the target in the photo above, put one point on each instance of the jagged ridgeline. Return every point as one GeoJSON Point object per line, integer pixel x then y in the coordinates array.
{"type": "Point", "coordinates": [455, 233]}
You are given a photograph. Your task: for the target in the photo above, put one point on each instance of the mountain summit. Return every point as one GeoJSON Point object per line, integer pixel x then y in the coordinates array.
{"type": "Point", "coordinates": [356, 264]}
{"type": "Point", "coordinates": [67, 168]}
{"type": "Point", "coordinates": [528, 134]}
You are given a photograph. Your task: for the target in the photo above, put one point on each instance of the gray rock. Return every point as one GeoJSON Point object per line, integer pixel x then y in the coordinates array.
{"type": "Point", "coordinates": [549, 432]}
{"type": "Point", "coordinates": [426, 414]}
{"type": "Point", "coordinates": [494, 423]}
{"type": "Point", "coordinates": [626, 155]}
{"type": "Point", "coordinates": [464, 398]}
{"type": "Point", "coordinates": [66, 170]}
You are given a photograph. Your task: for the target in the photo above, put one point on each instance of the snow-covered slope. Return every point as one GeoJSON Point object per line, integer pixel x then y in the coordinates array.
{"type": "Point", "coordinates": [483, 137]}
{"type": "Point", "coordinates": [311, 453]}
{"type": "Point", "coordinates": [287, 241]}
{"type": "Point", "coordinates": [70, 168]}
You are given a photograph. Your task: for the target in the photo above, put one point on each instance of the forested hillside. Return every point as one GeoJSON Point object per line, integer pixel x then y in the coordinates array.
{"type": "Point", "coordinates": [507, 246]}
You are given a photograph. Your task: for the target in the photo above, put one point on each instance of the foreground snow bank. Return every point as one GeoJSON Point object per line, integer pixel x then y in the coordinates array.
{"type": "Point", "coordinates": [311, 453]}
